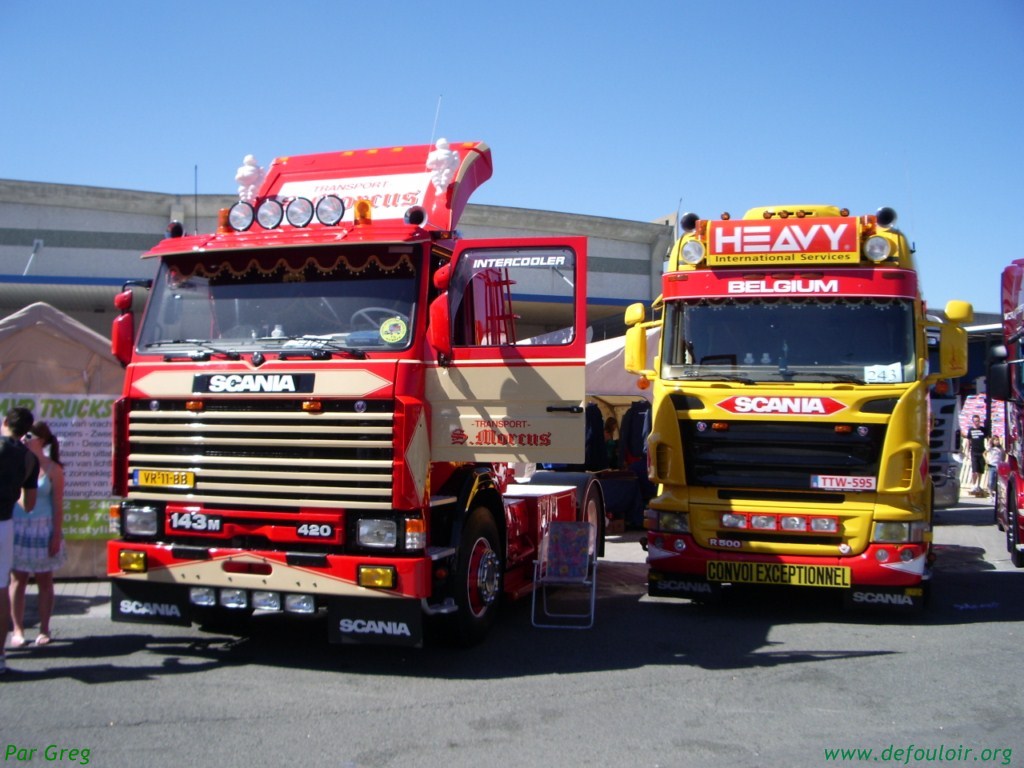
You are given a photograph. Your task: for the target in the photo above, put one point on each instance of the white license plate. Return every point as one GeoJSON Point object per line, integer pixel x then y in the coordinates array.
{"type": "Point", "coordinates": [843, 483]}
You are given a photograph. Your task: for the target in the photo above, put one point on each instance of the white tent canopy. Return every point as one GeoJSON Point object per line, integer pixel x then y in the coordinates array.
{"type": "Point", "coordinates": [44, 350]}
{"type": "Point", "coordinates": [606, 375]}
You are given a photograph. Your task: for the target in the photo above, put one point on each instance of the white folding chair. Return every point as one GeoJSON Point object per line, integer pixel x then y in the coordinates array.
{"type": "Point", "coordinates": [566, 564]}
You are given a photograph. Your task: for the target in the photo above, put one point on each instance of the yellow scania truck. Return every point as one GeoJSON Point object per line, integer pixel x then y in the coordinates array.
{"type": "Point", "coordinates": [790, 424]}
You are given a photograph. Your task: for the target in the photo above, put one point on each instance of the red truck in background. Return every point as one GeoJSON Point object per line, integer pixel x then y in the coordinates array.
{"type": "Point", "coordinates": [324, 399]}
{"type": "Point", "coordinates": [1005, 382]}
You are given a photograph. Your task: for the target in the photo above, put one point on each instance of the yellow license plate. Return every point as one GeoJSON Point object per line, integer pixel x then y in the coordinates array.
{"type": "Point", "coordinates": [779, 573]}
{"type": "Point", "coordinates": [162, 478]}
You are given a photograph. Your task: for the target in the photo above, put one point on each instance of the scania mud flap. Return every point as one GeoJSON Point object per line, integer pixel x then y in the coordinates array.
{"type": "Point", "coordinates": [680, 585]}
{"type": "Point", "coordinates": [886, 598]}
{"type": "Point", "coordinates": [365, 621]}
{"type": "Point", "coordinates": [149, 603]}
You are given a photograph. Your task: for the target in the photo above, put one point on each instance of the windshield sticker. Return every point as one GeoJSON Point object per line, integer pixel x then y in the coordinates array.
{"type": "Point", "coordinates": [393, 330]}
{"type": "Point", "coordinates": [883, 374]}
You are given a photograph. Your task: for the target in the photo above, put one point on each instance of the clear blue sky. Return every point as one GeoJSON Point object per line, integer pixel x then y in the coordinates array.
{"type": "Point", "coordinates": [592, 107]}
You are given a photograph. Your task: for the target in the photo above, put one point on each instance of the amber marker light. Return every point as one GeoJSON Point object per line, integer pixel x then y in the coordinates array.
{"type": "Point", "coordinates": [194, 405]}
{"type": "Point", "coordinates": [376, 576]}
{"type": "Point", "coordinates": [364, 212]}
{"type": "Point", "coordinates": [312, 406]}
{"type": "Point", "coordinates": [132, 561]}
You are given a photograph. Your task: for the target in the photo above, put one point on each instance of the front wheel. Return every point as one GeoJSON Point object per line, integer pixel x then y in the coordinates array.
{"type": "Point", "coordinates": [1013, 531]}
{"type": "Point", "coordinates": [479, 577]}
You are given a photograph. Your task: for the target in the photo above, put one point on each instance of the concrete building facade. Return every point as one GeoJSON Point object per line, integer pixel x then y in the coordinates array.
{"type": "Point", "coordinates": [75, 246]}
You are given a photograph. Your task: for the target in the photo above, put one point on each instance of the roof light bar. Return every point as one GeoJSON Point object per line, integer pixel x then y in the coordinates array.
{"type": "Point", "coordinates": [299, 212]}
{"type": "Point", "coordinates": [330, 209]}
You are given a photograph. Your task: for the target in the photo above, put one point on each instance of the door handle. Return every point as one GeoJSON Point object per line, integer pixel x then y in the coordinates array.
{"type": "Point", "coordinates": [565, 408]}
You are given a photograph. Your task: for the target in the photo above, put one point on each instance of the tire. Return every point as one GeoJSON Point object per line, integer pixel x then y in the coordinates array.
{"type": "Point", "coordinates": [1012, 532]}
{"type": "Point", "coordinates": [479, 579]}
{"type": "Point", "coordinates": [592, 511]}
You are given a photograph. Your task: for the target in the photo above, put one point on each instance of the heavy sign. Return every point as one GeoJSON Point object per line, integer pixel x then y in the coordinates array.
{"type": "Point", "coordinates": [783, 241]}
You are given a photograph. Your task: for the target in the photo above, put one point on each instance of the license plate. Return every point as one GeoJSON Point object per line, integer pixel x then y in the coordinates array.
{"type": "Point", "coordinates": [843, 483]}
{"type": "Point", "coordinates": [162, 478]}
{"type": "Point", "coordinates": [779, 573]}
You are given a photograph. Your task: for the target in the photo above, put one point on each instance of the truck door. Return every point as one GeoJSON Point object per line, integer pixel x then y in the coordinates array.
{"type": "Point", "coordinates": [514, 387]}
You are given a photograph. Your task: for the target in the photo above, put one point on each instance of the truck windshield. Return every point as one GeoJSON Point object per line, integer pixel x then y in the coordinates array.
{"type": "Point", "coordinates": [867, 341]}
{"type": "Point", "coordinates": [359, 299]}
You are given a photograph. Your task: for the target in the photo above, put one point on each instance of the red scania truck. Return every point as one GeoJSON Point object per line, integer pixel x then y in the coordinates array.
{"type": "Point", "coordinates": [1005, 382]}
{"type": "Point", "coordinates": [324, 400]}
{"type": "Point", "coordinates": [790, 425]}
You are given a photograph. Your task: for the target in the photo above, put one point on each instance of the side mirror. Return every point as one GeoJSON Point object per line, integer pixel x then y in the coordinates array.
{"type": "Point", "coordinates": [960, 311]}
{"type": "Point", "coordinates": [439, 333]}
{"type": "Point", "coordinates": [635, 352]}
{"type": "Point", "coordinates": [953, 351]}
{"type": "Point", "coordinates": [997, 381]}
{"type": "Point", "coordinates": [635, 314]}
{"type": "Point", "coordinates": [122, 331]}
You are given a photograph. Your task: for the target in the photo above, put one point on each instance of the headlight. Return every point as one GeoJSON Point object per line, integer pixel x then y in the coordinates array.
{"type": "Point", "coordinates": [266, 601]}
{"type": "Point", "coordinates": [205, 596]}
{"type": "Point", "coordinates": [732, 520]}
{"type": "Point", "coordinates": [300, 212]}
{"type": "Point", "coordinates": [234, 598]}
{"type": "Point", "coordinates": [299, 604]}
{"type": "Point", "coordinates": [692, 252]}
{"type": "Point", "coordinates": [329, 210]}
{"type": "Point", "coordinates": [877, 249]}
{"type": "Point", "coordinates": [140, 521]}
{"type": "Point", "coordinates": [240, 216]}
{"type": "Point", "coordinates": [380, 534]}
{"type": "Point", "coordinates": [674, 522]}
{"type": "Point", "coordinates": [824, 524]}
{"type": "Point", "coordinates": [269, 214]}
{"type": "Point", "coordinates": [892, 532]}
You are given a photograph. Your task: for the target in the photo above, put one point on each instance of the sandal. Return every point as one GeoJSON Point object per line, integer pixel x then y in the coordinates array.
{"type": "Point", "coordinates": [42, 639]}
{"type": "Point", "coordinates": [17, 641]}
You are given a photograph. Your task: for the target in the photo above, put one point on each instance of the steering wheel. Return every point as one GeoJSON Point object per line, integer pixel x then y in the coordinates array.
{"type": "Point", "coordinates": [374, 316]}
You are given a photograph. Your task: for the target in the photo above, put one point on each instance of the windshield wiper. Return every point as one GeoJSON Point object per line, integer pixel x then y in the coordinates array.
{"type": "Point", "coordinates": [719, 377]}
{"type": "Point", "coordinates": [315, 347]}
{"type": "Point", "coordinates": [203, 353]}
{"type": "Point", "coordinates": [847, 378]}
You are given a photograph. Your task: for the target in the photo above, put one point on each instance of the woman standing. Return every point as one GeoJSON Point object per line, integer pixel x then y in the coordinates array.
{"type": "Point", "coordinates": [39, 537]}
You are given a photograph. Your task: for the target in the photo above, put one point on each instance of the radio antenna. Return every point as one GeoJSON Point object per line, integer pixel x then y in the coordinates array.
{"type": "Point", "coordinates": [195, 198]}
{"type": "Point", "coordinates": [437, 114]}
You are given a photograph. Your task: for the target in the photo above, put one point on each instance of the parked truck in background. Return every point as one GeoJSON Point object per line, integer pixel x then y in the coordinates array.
{"type": "Point", "coordinates": [945, 459]}
{"type": "Point", "coordinates": [324, 398]}
{"type": "Point", "coordinates": [790, 427]}
{"type": "Point", "coordinates": [1005, 382]}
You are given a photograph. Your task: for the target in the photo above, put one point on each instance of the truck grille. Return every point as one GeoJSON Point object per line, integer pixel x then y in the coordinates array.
{"type": "Point", "coordinates": [266, 454]}
{"type": "Point", "coordinates": [775, 455]}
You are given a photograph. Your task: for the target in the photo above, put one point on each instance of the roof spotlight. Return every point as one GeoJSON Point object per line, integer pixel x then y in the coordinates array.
{"type": "Point", "coordinates": [269, 214]}
{"type": "Point", "coordinates": [299, 212]}
{"type": "Point", "coordinates": [416, 216]}
{"type": "Point", "coordinates": [330, 209]}
{"type": "Point", "coordinates": [689, 222]}
{"type": "Point", "coordinates": [885, 217]}
{"type": "Point", "coordinates": [240, 216]}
